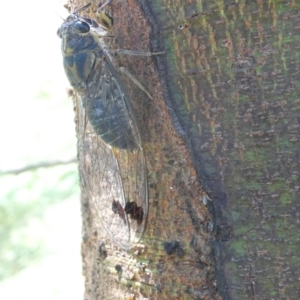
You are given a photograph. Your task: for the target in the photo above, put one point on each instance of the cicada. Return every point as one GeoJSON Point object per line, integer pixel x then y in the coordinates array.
{"type": "Point", "coordinates": [112, 163]}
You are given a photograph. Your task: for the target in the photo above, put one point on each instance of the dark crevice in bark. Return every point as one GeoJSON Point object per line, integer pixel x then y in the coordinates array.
{"type": "Point", "coordinates": [204, 163]}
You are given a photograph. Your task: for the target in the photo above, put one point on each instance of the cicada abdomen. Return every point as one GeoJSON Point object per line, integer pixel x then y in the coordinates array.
{"type": "Point", "coordinates": [112, 163]}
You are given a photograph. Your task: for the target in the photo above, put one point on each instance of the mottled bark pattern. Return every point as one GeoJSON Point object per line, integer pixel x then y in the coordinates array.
{"type": "Point", "coordinates": [232, 77]}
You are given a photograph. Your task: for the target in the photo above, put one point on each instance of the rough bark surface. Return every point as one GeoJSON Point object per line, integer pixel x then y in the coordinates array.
{"type": "Point", "coordinates": [224, 113]}
{"type": "Point", "coordinates": [177, 213]}
{"type": "Point", "coordinates": [232, 71]}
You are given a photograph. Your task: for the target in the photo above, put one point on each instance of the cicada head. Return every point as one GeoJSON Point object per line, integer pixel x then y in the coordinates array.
{"type": "Point", "coordinates": [78, 34]}
{"type": "Point", "coordinates": [79, 46]}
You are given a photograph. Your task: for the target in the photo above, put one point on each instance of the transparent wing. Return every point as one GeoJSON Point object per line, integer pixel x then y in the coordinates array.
{"type": "Point", "coordinates": [112, 162]}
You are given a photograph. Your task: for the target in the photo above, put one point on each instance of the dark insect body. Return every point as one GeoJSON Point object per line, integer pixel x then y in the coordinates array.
{"type": "Point", "coordinates": [173, 247]}
{"type": "Point", "coordinates": [112, 163]}
{"type": "Point", "coordinates": [102, 251]}
{"type": "Point", "coordinates": [118, 209]}
{"type": "Point", "coordinates": [118, 268]}
{"type": "Point", "coordinates": [135, 212]}
{"type": "Point", "coordinates": [88, 66]}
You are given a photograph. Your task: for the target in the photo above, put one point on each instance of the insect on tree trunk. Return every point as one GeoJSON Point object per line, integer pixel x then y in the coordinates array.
{"type": "Point", "coordinates": [221, 142]}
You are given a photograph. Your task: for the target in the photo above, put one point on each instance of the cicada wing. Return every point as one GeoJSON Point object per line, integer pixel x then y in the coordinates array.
{"type": "Point", "coordinates": [112, 162]}
{"type": "Point", "coordinates": [132, 167]}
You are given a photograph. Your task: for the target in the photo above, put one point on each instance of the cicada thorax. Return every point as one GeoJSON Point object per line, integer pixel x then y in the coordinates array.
{"type": "Point", "coordinates": [79, 60]}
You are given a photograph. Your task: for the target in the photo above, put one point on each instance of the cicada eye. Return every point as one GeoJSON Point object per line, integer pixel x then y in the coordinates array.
{"type": "Point", "coordinates": [91, 22]}
{"type": "Point", "coordinates": [81, 26]}
{"type": "Point", "coordinates": [59, 33]}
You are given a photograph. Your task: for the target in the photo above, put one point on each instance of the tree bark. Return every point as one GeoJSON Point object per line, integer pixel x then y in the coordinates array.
{"type": "Point", "coordinates": [221, 141]}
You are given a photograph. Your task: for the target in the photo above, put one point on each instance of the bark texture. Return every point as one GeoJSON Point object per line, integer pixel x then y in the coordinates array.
{"type": "Point", "coordinates": [224, 114]}
{"type": "Point", "coordinates": [233, 75]}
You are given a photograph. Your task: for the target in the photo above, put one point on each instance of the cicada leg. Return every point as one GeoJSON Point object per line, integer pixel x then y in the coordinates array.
{"type": "Point", "coordinates": [139, 53]}
{"type": "Point", "coordinates": [107, 22]}
{"type": "Point", "coordinates": [108, 2]}
{"type": "Point", "coordinates": [135, 81]}
{"type": "Point", "coordinates": [129, 75]}
{"type": "Point", "coordinates": [104, 18]}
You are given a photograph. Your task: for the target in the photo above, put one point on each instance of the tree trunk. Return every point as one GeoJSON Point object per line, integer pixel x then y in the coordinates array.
{"type": "Point", "coordinates": [224, 116]}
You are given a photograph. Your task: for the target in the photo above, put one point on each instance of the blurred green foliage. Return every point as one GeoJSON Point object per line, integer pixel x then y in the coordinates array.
{"type": "Point", "coordinates": [24, 199]}
{"type": "Point", "coordinates": [38, 208]}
